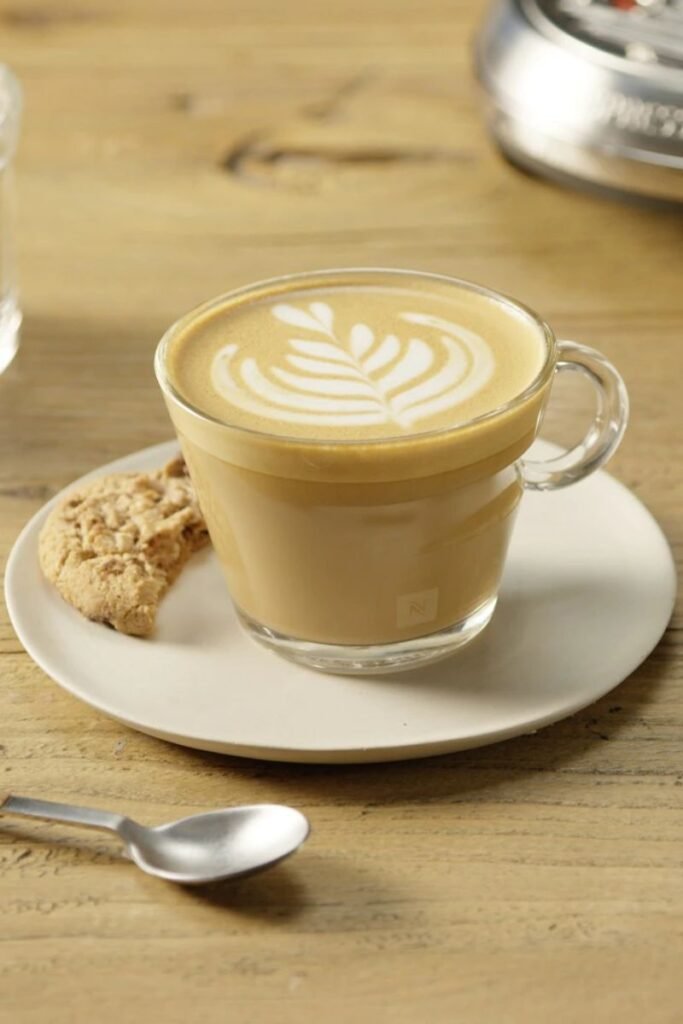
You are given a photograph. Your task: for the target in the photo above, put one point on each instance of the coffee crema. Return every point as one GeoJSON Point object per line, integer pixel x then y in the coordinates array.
{"type": "Point", "coordinates": [329, 361]}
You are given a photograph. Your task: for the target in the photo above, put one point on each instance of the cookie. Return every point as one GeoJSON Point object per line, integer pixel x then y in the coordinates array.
{"type": "Point", "coordinates": [114, 546]}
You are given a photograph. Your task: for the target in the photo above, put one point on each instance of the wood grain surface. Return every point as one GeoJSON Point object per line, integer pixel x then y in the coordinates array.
{"type": "Point", "coordinates": [172, 150]}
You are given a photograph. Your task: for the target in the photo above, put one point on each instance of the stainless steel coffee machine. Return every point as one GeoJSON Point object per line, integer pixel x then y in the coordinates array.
{"type": "Point", "coordinates": [589, 90]}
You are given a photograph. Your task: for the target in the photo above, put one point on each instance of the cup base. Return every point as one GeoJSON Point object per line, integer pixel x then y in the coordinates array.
{"type": "Point", "coordinates": [373, 659]}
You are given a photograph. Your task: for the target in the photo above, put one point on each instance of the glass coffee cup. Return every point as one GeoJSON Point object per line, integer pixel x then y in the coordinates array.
{"type": "Point", "coordinates": [357, 441]}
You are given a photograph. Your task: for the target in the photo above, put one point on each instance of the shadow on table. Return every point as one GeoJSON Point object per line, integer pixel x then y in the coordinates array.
{"type": "Point", "coordinates": [329, 886]}
{"type": "Point", "coordinates": [325, 886]}
{"type": "Point", "coordinates": [277, 895]}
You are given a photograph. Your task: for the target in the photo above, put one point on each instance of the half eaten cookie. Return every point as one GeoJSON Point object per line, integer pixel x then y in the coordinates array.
{"type": "Point", "coordinates": [113, 547]}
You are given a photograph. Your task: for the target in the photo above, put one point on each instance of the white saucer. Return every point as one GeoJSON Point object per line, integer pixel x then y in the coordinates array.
{"type": "Point", "coordinates": [588, 592]}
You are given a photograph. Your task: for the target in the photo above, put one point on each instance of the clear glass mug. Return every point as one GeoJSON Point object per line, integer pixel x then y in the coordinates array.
{"type": "Point", "coordinates": [370, 561]}
{"type": "Point", "coordinates": [10, 315]}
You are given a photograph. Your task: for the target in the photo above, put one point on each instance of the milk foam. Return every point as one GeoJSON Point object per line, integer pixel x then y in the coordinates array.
{"type": "Point", "coordinates": [358, 355]}
{"type": "Point", "coordinates": [359, 377]}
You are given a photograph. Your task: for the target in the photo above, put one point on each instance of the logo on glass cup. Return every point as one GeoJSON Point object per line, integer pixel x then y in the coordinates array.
{"type": "Point", "coordinates": [413, 609]}
{"type": "Point", "coordinates": [359, 379]}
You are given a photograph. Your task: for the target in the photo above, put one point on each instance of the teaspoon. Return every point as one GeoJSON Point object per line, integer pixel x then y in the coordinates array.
{"type": "Point", "coordinates": [196, 850]}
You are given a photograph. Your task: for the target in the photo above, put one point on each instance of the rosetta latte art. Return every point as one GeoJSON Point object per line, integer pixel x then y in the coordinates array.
{"type": "Point", "coordinates": [361, 379]}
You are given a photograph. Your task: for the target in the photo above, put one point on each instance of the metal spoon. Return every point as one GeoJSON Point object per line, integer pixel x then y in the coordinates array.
{"type": "Point", "coordinates": [192, 851]}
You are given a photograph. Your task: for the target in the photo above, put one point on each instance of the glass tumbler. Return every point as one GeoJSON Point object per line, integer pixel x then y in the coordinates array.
{"type": "Point", "coordinates": [10, 314]}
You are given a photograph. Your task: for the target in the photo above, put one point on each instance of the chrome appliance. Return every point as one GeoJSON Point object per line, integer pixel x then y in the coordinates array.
{"type": "Point", "coordinates": [589, 90]}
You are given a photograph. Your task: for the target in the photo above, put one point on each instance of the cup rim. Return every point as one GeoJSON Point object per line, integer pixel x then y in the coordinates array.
{"type": "Point", "coordinates": [508, 303]}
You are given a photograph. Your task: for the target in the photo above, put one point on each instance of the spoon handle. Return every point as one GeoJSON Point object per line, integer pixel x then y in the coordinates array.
{"type": "Point", "coordinates": [70, 813]}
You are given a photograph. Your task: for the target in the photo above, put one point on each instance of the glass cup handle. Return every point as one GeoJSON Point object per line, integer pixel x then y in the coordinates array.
{"type": "Point", "coordinates": [605, 432]}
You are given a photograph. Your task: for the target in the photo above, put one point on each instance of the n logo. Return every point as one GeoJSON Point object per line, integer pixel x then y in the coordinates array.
{"type": "Point", "coordinates": [412, 609]}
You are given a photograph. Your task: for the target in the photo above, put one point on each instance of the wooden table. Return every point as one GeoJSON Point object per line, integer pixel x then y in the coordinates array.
{"type": "Point", "coordinates": [172, 151]}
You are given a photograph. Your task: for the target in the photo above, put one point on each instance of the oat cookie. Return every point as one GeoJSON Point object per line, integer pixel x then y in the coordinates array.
{"type": "Point", "coordinates": [113, 547]}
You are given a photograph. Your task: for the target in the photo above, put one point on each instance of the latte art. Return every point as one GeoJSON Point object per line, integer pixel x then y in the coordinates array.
{"type": "Point", "coordinates": [361, 355]}
{"type": "Point", "coordinates": [356, 378]}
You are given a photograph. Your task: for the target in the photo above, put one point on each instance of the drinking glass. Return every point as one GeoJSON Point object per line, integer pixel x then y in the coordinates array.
{"type": "Point", "coordinates": [10, 314]}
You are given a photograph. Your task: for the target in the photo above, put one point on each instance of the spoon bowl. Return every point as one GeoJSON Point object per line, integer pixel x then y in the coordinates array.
{"type": "Point", "coordinates": [219, 844]}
